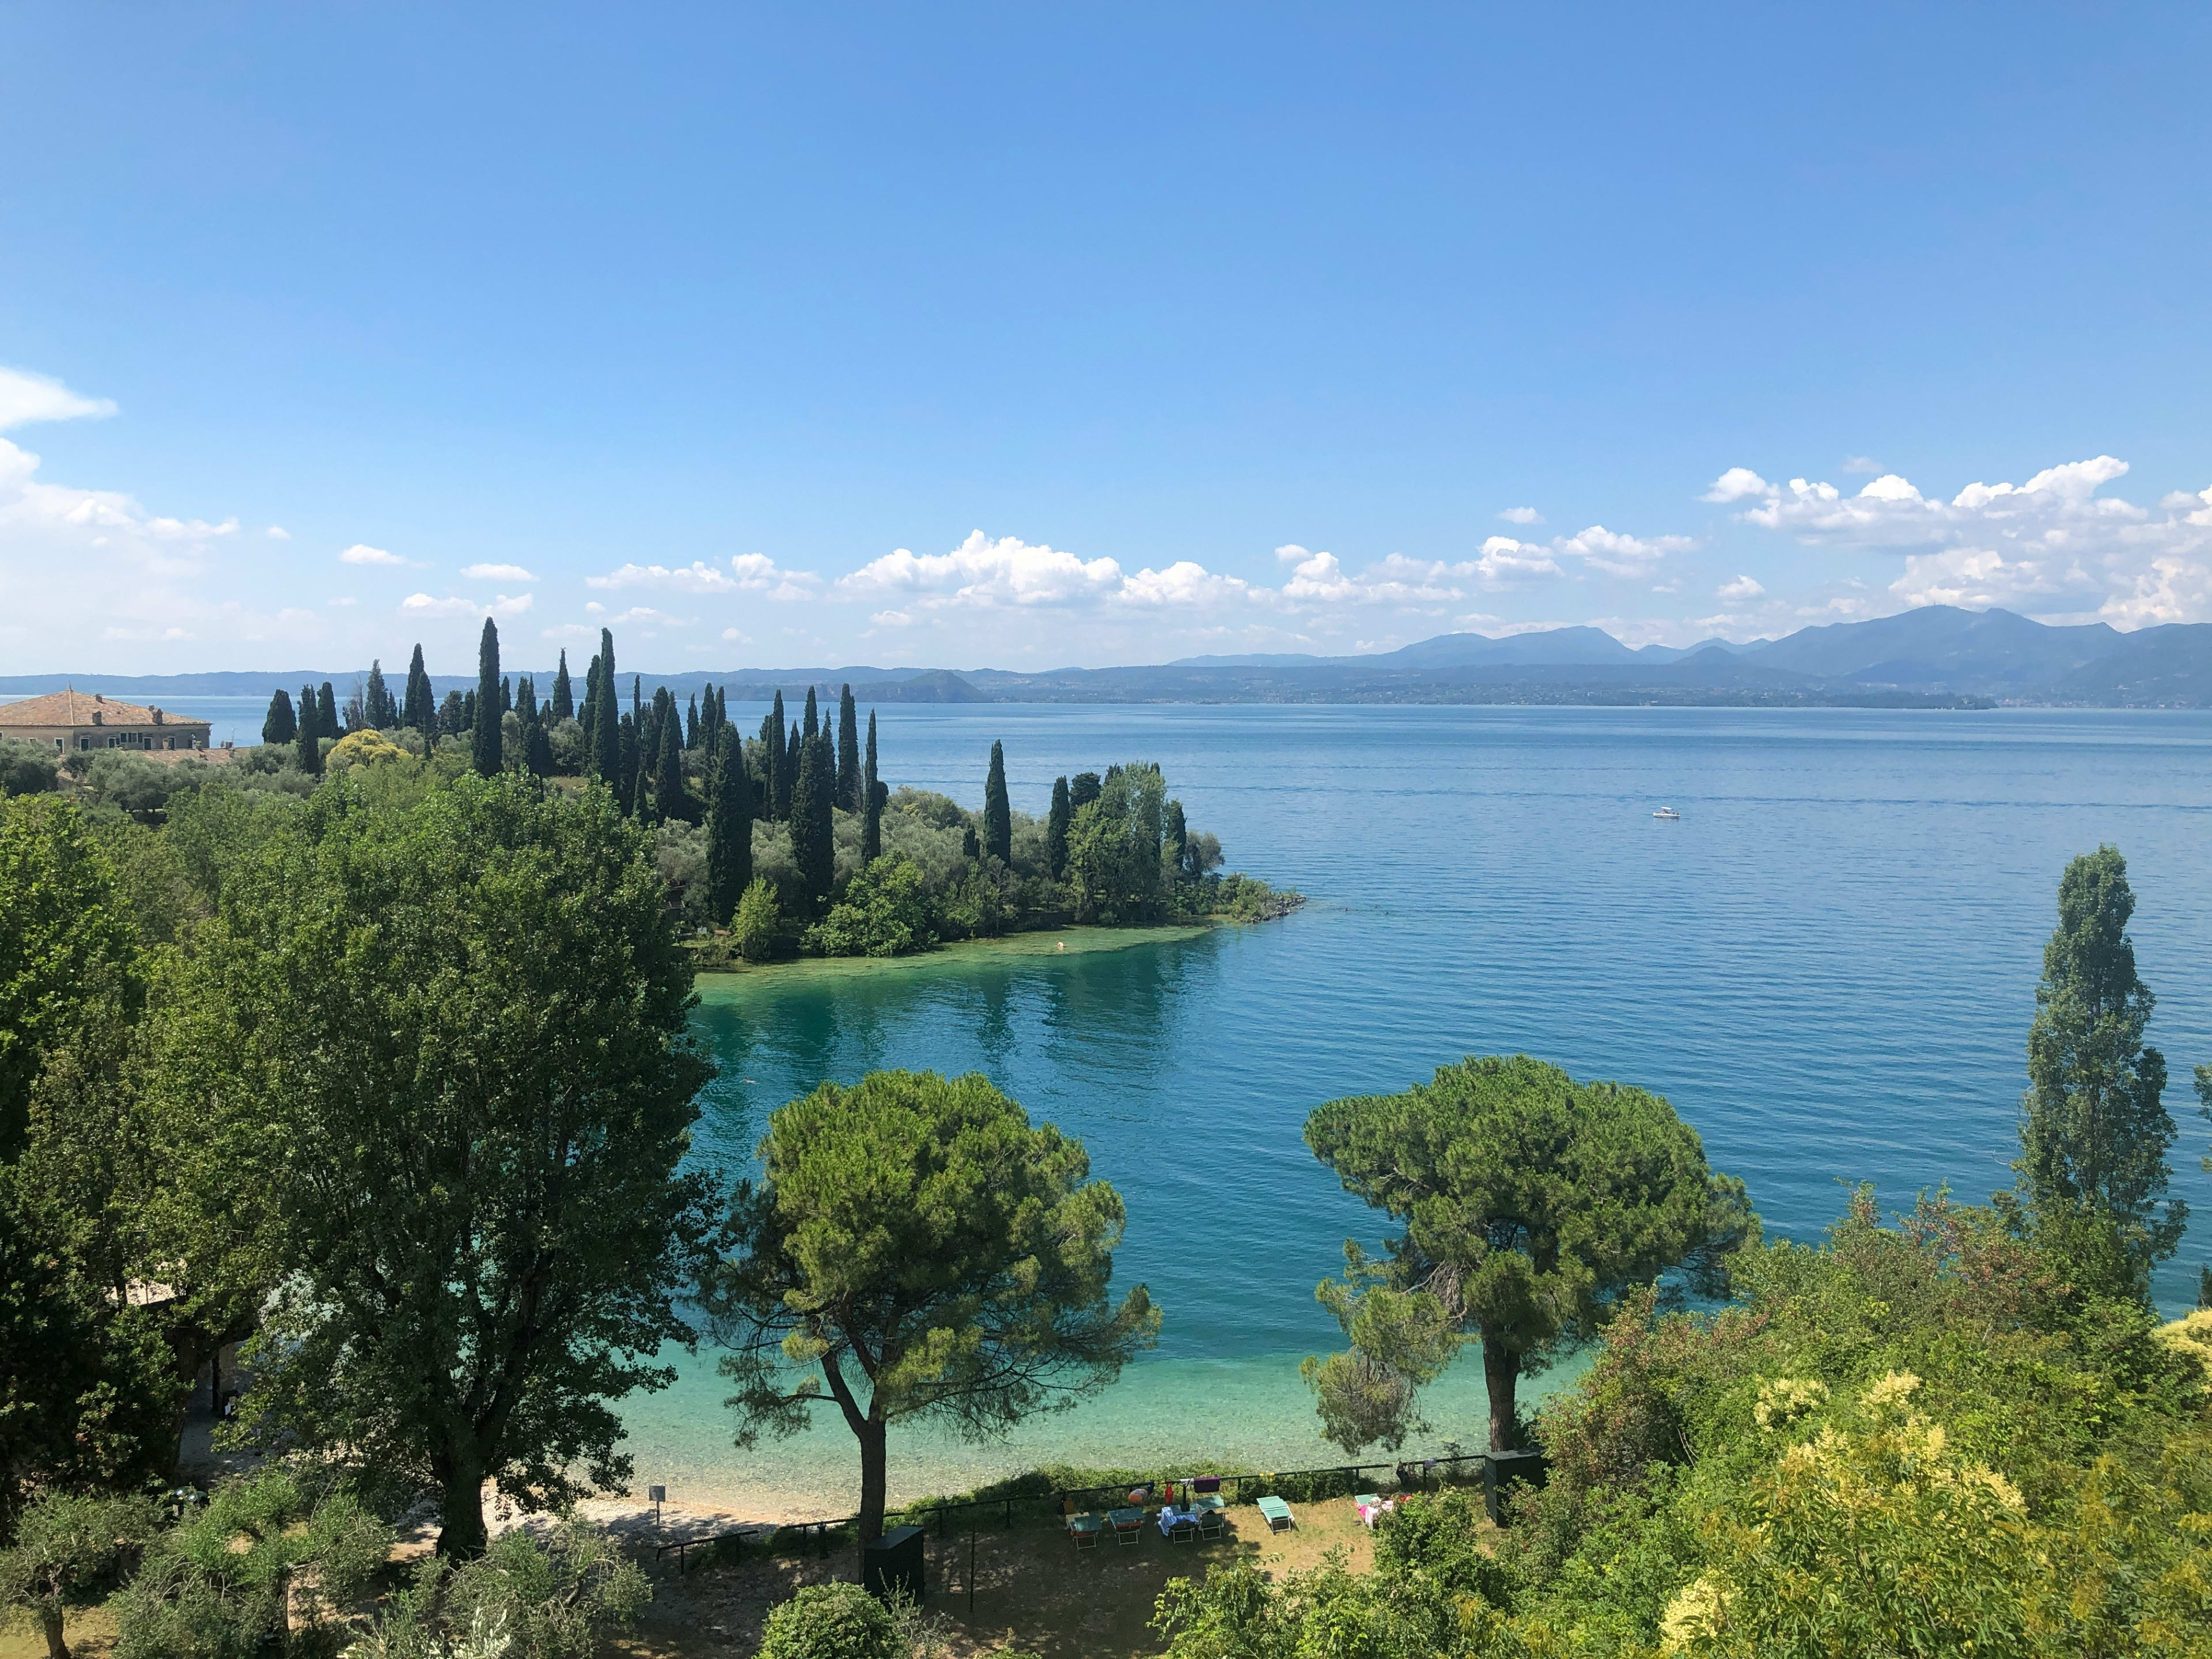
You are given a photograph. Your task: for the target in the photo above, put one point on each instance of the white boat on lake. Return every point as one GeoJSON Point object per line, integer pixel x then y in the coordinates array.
{"type": "Point", "coordinates": [1669, 813]}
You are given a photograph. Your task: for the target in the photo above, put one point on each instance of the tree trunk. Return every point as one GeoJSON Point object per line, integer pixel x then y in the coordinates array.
{"type": "Point", "coordinates": [1501, 1369]}
{"type": "Point", "coordinates": [873, 1444]}
{"type": "Point", "coordinates": [50, 1616]}
{"type": "Point", "coordinates": [463, 1537]}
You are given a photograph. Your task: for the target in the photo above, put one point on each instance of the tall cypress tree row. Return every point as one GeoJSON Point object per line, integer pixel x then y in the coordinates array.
{"type": "Point", "coordinates": [848, 753]}
{"type": "Point", "coordinates": [607, 722]}
{"type": "Point", "coordinates": [998, 813]}
{"type": "Point", "coordinates": [668, 795]}
{"type": "Point", "coordinates": [871, 802]}
{"type": "Point", "coordinates": [729, 829]}
{"type": "Point", "coordinates": [813, 843]}
{"type": "Point", "coordinates": [485, 754]}
{"type": "Point", "coordinates": [326, 711]}
{"type": "Point", "coordinates": [420, 709]}
{"type": "Point", "coordinates": [1055, 829]}
{"type": "Point", "coordinates": [564, 699]}
{"type": "Point", "coordinates": [281, 724]}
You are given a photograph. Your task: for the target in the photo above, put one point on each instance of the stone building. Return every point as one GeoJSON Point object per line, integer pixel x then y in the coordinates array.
{"type": "Point", "coordinates": [67, 721]}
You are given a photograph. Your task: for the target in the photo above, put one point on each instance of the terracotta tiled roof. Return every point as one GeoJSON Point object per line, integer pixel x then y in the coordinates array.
{"type": "Point", "coordinates": [78, 708]}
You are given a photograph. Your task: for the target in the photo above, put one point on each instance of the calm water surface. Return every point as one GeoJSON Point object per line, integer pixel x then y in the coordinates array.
{"type": "Point", "coordinates": [1828, 965]}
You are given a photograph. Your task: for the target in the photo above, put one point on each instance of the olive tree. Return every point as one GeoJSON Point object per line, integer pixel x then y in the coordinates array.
{"type": "Point", "coordinates": [915, 1246]}
{"type": "Point", "coordinates": [1528, 1203]}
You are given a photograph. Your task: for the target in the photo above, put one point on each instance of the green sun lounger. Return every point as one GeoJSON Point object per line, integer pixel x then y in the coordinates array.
{"type": "Point", "coordinates": [1085, 1529]}
{"type": "Point", "coordinates": [1277, 1513]}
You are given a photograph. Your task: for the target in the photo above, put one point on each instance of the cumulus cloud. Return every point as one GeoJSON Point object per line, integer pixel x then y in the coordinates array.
{"type": "Point", "coordinates": [2054, 546]}
{"type": "Point", "coordinates": [1522, 515]}
{"type": "Point", "coordinates": [425, 605]}
{"type": "Point", "coordinates": [697, 577]}
{"type": "Point", "coordinates": [26, 397]}
{"type": "Point", "coordinates": [984, 574]}
{"type": "Point", "coordinates": [362, 553]}
{"type": "Point", "coordinates": [757, 572]}
{"type": "Point", "coordinates": [1743, 587]}
{"type": "Point", "coordinates": [1505, 561]}
{"type": "Point", "coordinates": [496, 573]}
{"type": "Point", "coordinates": [276, 532]}
{"type": "Point", "coordinates": [1618, 555]}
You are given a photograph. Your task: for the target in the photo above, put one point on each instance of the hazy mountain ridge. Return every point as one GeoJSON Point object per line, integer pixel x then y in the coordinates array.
{"type": "Point", "coordinates": [1938, 653]}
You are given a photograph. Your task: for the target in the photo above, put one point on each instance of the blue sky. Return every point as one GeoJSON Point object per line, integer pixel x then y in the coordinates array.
{"type": "Point", "coordinates": [1017, 337]}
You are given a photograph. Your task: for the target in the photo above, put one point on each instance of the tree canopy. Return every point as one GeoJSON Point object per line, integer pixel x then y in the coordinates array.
{"type": "Point", "coordinates": [1529, 1204]}
{"type": "Point", "coordinates": [919, 1248]}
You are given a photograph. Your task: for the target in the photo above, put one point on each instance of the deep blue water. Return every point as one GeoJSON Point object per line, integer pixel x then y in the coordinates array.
{"type": "Point", "coordinates": [1828, 965]}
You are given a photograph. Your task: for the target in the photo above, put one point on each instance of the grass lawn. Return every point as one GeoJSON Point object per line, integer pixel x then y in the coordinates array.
{"type": "Point", "coordinates": [1034, 1590]}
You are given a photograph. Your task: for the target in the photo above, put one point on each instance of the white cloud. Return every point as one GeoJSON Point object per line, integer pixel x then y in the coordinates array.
{"type": "Point", "coordinates": [1743, 587]}
{"type": "Point", "coordinates": [2053, 547]}
{"type": "Point", "coordinates": [276, 532]}
{"type": "Point", "coordinates": [1505, 561]}
{"type": "Point", "coordinates": [1522, 515]}
{"type": "Point", "coordinates": [497, 573]}
{"type": "Point", "coordinates": [984, 574]}
{"type": "Point", "coordinates": [757, 573]}
{"type": "Point", "coordinates": [362, 553]}
{"type": "Point", "coordinates": [736, 638]}
{"type": "Point", "coordinates": [26, 397]}
{"type": "Point", "coordinates": [423, 605]}
{"type": "Point", "coordinates": [1861, 464]}
{"type": "Point", "coordinates": [890, 619]}
{"type": "Point", "coordinates": [697, 577]}
{"type": "Point", "coordinates": [1620, 555]}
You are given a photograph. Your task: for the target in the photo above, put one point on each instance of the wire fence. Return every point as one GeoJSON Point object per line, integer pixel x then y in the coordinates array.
{"type": "Point", "coordinates": [943, 1516]}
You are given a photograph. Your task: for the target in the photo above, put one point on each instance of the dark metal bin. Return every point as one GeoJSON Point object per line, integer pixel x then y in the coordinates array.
{"type": "Point", "coordinates": [894, 1562]}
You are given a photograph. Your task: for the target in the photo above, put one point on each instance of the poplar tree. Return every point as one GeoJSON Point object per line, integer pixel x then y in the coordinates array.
{"type": "Point", "coordinates": [848, 753]}
{"type": "Point", "coordinates": [420, 710]}
{"type": "Point", "coordinates": [564, 700]}
{"type": "Point", "coordinates": [997, 815]}
{"type": "Point", "coordinates": [813, 844]}
{"type": "Point", "coordinates": [490, 703]}
{"type": "Point", "coordinates": [2094, 1132]}
{"type": "Point", "coordinates": [872, 822]}
{"type": "Point", "coordinates": [729, 830]}
{"type": "Point", "coordinates": [1055, 829]}
{"type": "Point", "coordinates": [281, 724]}
{"type": "Point", "coordinates": [606, 727]}
{"type": "Point", "coordinates": [668, 796]}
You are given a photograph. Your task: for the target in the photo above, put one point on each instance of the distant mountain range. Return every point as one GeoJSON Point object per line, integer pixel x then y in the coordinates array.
{"type": "Point", "coordinates": [1938, 655]}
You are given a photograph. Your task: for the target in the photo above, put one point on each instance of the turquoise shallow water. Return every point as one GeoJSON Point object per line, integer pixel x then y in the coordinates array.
{"type": "Point", "coordinates": [1828, 965]}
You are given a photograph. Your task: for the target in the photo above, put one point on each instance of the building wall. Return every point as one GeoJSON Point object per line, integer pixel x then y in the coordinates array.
{"type": "Point", "coordinates": [71, 739]}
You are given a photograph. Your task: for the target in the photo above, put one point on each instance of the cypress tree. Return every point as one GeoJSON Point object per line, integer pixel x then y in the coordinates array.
{"type": "Point", "coordinates": [811, 726]}
{"type": "Point", "coordinates": [848, 753]}
{"type": "Point", "coordinates": [1177, 839]}
{"type": "Point", "coordinates": [998, 814]}
{"type": "Point", "coordinates": [626, 764]}
{"type": "Point", "coordinates": [790, 785]}
{"type": "Point", "coordinates": [308, 751]}
{"type": "Point", "coordinates": [564, 702]}
{"type": "Point", "coordinates": [526, 699]}
{"type": "Point", "coordinates": [505, 695]}
{"type": "Point", "coordinates": [1055, 829]}
{"type": "Point", "coordinates": [588, 710]}
{"type": "Point", "coordinates": [606, 724]}
{"type": "Point", "coordinates": [281, 724]}
{"type": "Point", "coordinates": [729, 830]}
{"type": "Point", "coordinates": [468, 723]}
{"type": "Point", "coordinates": [970, 848]}
{"type": "Point", "coordinates": [420, 710]}
{"type": "Point", "coordinates": [376, 700]}
{"type": "Point", "coordinates": [721, 707]}
{"type": "Point", "coordinates": [2094, 1132]}
{"type": "Point", "coordinates": [872, 798]}
{"type": "Point", "coordinates": [691, 719]}
{"type": "Point", "coordinates": [668, 796]}
{"type": "Point", "coordinates": [453, 715]}
{"type": "Point", "coordinates": [326, 711]}
{"type": "Point", "coordinates": [1082, 789]}
{"type": "Point", "coordinates": [538, 752]}
{"type": "Point", "coordinates": [779, 779]}
{"type": "Point", "coordinates": [486, 755]}
{"type": "Point", "coordinates": [813, 842]}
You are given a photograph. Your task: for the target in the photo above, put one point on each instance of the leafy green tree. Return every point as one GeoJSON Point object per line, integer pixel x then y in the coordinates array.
{"type": "Point", "coordinates": [758, 925]}
{"type": "Point", "coordinates": [1529, 1203]}
{"type": "Point", "coordinates": [1399, 1341]}
{"type": "Point", "coordinates": [564, 695]}
{"type": "Point", "coordinates": [871, 802]}
{"type": "Point", "coordinates": [485, 754]}
{"type": "Point", "coordinates": [813, 844]}
{"type": "Point", "coordinates": [831, 1621]}
{"type": "Point", "coordinates": [419, 707]}
{"type": "Point", "coordinates": [266, 1561]}
{"type": "Point", "coordinates": [505, 1090]}
{"type": "Point", "coordinates": [606, 719]}
{"type": "Point", "coordinates": [934, 1254]}
{"type": "Point", "coordinates": [1082, 789]}
{"type": "Point", "coordinates": [849, 753]}
{"type": "Point", "coordinates": [998, 813]}
{"type": "Point", "coordinates": [729, 830]}
{"type": "Point", "coordinates": [2094, 1130]}
{"type": "Point", "coordinates": [1055, 829]}
{"type": "Point", "coordinates": [27, 768]}
{"type": "Point", "coordinates": [280, 725]}
{"type": "Point", "coordinates": [68, 1552]}
{"type": "Point", "coordinates": [884, 911]}
{"type": "Point", "coordinates": [1113, 846]}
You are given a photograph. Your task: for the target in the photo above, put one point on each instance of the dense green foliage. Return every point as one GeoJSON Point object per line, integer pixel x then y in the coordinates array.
{"type": "Point", "coordinates": [918, 1249]}
{"type": "Point", "coordinates": [831, 1621]}
{"type": "Point", "coordinates": [1529, 1203]}
{"type": "Point", "coordinates": [558, 1597]}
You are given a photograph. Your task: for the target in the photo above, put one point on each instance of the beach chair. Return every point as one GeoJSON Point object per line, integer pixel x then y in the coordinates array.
{"type": "Point", "coordinates": [1277, 1513]}
{"type": "Point", "coordinates": [1128, 1525]}
{"type": "Point", "coordinates": [1183, 1529]}
{"type": "Point", "coordinates": [1366, 1500]}
{"type": "Point", "coordinates": [1085, 1530]}
{"type": "Point", "coordinates": [1212, 1524]}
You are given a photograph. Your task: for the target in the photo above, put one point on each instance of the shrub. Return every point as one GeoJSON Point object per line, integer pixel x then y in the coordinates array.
{"type": "Point", "coordinates": [830, 1621]}
{"type": "Point", "coordinates": [25, 769]}
{"type": "Point", "coordinates": [883, 912]}
{"type": "Point", "coordinates": [758, 925]}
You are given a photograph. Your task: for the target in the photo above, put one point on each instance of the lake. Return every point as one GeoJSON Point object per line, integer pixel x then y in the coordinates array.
{"type": "Point", "coordinates": [1828, 965]}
